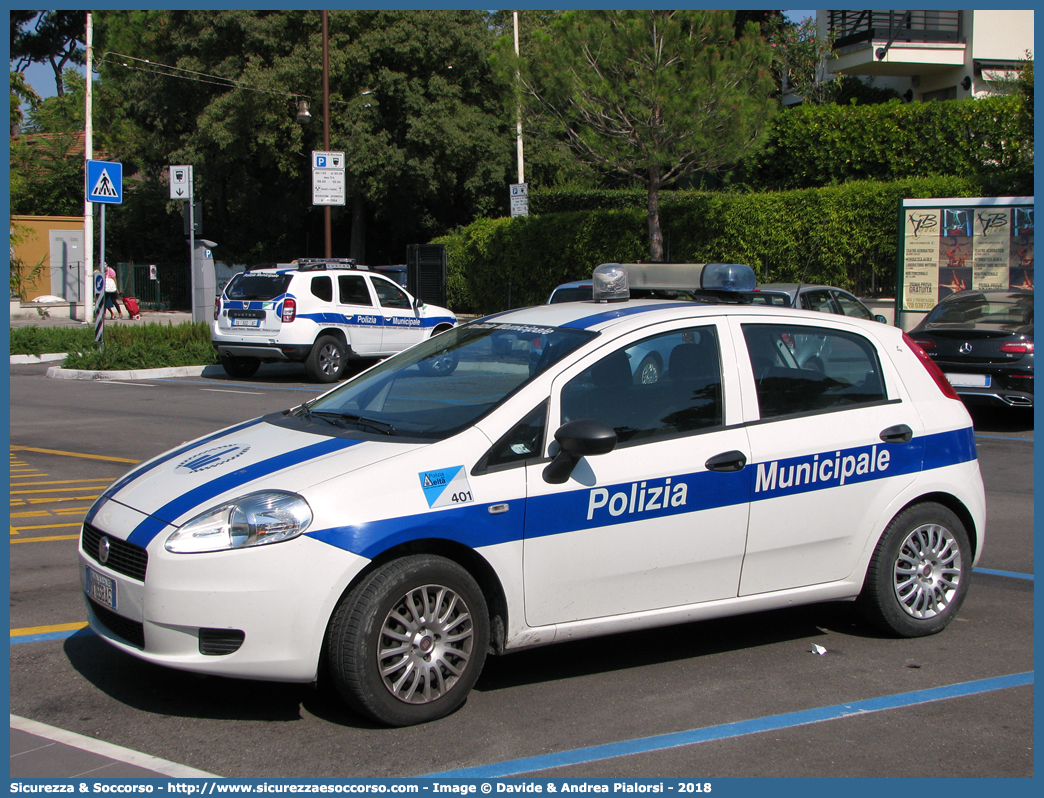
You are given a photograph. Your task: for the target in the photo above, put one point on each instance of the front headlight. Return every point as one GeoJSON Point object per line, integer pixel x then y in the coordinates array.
{"type": "Point", "coordinates": [269, 516]}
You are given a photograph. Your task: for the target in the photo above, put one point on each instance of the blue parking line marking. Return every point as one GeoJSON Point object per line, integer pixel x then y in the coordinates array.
{"type": "Point", "coordinates": [265, 387]}
{"type": "Point", "coordinates": [579, 756]}
{"type": "Point", "coordinates": [1011, 574]}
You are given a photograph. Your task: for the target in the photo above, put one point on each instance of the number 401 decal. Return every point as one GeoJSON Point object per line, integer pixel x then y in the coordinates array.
{"type": "Point", "coordinates": [445, 487]}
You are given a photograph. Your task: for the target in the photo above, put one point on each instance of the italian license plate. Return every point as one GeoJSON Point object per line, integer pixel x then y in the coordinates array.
{"type": "Point", "coordinates": [969, 380]}
{"type": "Point", "coordinates": [101, 588]}
{"type": "Point", "coordinates": [246, 322]}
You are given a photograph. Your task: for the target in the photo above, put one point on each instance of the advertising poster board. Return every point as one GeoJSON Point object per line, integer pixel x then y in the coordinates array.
{"type": "Point", "coordinates": [956, 244]}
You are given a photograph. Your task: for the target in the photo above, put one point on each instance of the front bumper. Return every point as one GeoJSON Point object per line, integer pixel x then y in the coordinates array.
{"type": "Point", "coordinates": [258, 613]}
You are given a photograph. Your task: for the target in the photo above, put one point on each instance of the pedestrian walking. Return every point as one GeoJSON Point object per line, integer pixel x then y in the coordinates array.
{"type": "Point", "coordinates": [112, 293]}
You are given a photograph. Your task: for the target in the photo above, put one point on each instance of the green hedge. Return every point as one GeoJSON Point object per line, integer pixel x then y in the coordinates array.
{"type": "Point", "coordinates": [818, 145]}
{"type": "Point", "coordinates": [141, 346]}
{"type": "Point", "coordinates": [831, 235]}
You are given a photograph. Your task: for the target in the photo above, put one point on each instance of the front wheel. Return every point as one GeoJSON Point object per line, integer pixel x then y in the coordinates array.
{"type": "Point", "coordinates": [408, 643]}
{"type": "Point", "coordinates": [919, 573]}
{"type": "Point", "coordinates": [326, 361]}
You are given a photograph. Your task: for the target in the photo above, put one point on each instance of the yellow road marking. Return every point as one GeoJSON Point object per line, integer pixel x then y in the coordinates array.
{"type": "Point", "coordinates": [45, 490]}
{"type": "Point", "coordinates": [75, 454]}
{"type": "Point", "coordinates": [21, 529]}
{"type": "Point", "coordinates": [42, 630]}
{"type": "Point", "coordinates": [57, 499]}
{"type": "Point", "coordinates": [59, 482]}
{"type": "Point", "coordinates": [14, 531]}
{"type": "Point", "coordinates": [42, 539]}
{"type": "Point", "coordinates": [70, 510]}
{"type": "Point", "coordinates": [31, 514]}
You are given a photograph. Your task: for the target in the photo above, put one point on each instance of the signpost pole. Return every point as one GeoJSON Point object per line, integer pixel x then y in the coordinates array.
{"type": "Point", "coordinates": [328, 239]}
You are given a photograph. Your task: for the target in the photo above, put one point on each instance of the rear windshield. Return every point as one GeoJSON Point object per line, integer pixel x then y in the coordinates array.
{"type": "Point", "coordinates": [975, 308]}
{"type": "Point", "coordinates": [257, 286]}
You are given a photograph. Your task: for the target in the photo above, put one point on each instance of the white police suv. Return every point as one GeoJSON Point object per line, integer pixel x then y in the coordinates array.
{"type": "Point", "coordinates": [395, 530]}
{"type": "Point", "coordinates": [320, 312]}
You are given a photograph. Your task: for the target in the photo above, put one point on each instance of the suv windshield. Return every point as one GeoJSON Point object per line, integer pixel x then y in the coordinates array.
{"type": "Point", "coordinates": [256, 285]}
{"type": "Point", "coordinates": [441, 386]}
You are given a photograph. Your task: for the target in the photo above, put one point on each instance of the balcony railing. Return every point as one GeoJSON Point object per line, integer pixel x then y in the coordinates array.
{"type": "Point", "coordinates": [852, 27]}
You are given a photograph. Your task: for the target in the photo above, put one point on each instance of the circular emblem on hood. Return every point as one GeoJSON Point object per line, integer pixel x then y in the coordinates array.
{"type": "Point", "coordinates": [210, 458]}
{"type": "Point", "coordinates": [103, 550]}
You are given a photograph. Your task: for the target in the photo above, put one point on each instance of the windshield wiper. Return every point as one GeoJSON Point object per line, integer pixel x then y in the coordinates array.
{"type": "Point", "coordinates": [346, 420]}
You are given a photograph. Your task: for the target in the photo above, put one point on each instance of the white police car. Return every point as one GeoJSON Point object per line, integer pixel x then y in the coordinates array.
{"type": "Point", "coordinates": [400, 527]}
{"type": "Point", "coordinates": [320, 312]}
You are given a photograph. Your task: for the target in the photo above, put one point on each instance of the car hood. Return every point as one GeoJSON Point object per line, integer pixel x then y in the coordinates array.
{"type": "Point", "coordinates": [256, 455]}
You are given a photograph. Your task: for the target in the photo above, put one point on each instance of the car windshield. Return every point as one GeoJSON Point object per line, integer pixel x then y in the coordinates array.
{"type": "Point", "coordinates": [437, 388]}
{"type": "Point", "coordinates": [257, 286]}
{"type": "Point", "coordinates": [975, 309]}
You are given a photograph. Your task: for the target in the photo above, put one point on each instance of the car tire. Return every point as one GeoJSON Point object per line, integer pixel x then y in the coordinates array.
{"type": "Point", "coordinates": [407, 644]}
{"type": "Point", "coordinates": [919, 573]}
{"type": "Point", "coordinates": [441, 365]}
{"type": "Point", "coordinates": [649, 370]}
{"type": "Point", "coordinates": [240, 367]}
{"type": "Point", "coordinates": [326, 360]}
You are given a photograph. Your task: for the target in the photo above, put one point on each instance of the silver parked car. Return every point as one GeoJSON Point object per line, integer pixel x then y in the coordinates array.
{"type": "Point", "coordinates": [824, 298]}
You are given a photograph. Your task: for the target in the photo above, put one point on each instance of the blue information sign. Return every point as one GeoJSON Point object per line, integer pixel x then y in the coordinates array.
{"type": "Point", "coordinates": [105, 182]}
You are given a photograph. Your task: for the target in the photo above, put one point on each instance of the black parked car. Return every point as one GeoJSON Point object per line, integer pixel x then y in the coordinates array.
{"type": "Point", "coordinates": [983, 342]}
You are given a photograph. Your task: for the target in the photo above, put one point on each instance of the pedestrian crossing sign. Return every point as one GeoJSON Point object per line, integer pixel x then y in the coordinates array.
{"type": "Point", "coordinates": [105, 182]}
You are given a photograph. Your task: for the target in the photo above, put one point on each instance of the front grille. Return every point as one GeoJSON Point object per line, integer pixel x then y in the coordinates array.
{"type": "Point", "coordinates": [132, 632]}
{"type": "Point", "coordinates": [124, 558]}
{"type": "Point", "coordinates": [218, 642]}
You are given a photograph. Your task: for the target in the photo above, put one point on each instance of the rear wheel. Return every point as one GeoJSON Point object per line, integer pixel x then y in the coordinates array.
{"type": "Point", "coordinates": [919, 574]}
{"type": "Point", "coordinates": [408, 643]}
{"type": "Point", "coordinates": [240, 367]}
{"type": "Point", "coordinates": [325, 363]}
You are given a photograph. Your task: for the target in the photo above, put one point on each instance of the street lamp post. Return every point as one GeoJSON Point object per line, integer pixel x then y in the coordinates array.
{"type": "Point", "coordinates": [326, 125]}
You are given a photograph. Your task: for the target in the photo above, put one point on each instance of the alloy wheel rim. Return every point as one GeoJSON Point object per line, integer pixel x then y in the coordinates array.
{"type": "Point", "coordinates": [425, 644]}
{"type": "Point", "coordinates": [927, 571]}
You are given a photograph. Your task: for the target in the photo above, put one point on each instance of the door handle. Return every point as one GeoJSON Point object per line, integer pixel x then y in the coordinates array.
{"type": "Point", "coordinates": [900, 433]}
{"type": "Point", "coordinates": [727, 461]}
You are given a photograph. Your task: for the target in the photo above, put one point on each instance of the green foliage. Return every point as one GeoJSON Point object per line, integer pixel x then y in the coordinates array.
{"type": "Point", "coordinates": [653, 96]}
{"type": "Point", "coordinates": [839, 235]}
{"type": "Point", "coordinates": [831, 144]}
{"type": "Point", "coordinates": [47, 175]}
{"type": "Point", "coordinates": [146, 346]}
{"type": "Point", "coordinates": [47, 340]}
{"type": "Point", "coordinates": [57, 37]}
{"type": "Point", "coordinates": [413, 105]}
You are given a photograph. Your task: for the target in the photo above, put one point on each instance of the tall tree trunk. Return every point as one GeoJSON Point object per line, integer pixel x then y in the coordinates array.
{"type": "Point", "coordinates": [357, 247]}
{"type": "Point", "coordinates": [652, 214]}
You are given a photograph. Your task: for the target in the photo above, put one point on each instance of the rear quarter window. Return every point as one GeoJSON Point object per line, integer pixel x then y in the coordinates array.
{"type": "Point", "coordinates": [800, 369]}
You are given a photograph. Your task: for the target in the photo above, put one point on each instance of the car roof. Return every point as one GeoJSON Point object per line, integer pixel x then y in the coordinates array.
{"type": "Point", "coordinates": [637, 313]}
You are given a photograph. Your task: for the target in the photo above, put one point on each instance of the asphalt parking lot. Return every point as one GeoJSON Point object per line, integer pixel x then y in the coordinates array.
{"type": "Point", "coordinates": [732, 698]}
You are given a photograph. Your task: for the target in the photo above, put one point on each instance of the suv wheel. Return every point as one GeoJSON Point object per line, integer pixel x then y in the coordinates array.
{"type": "Point", "coordinates": [325, 363]}
{"type": "Point", "coordinates": [240, 367]}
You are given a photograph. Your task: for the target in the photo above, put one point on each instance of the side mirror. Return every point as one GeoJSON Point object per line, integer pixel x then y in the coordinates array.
{"type": "Point", "coordinates": [576, 439]}
{"type": "Point", "coordinates": [881, 319]}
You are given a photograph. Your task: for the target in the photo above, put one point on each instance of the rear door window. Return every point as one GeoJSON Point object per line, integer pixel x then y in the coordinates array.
{"type": "Point", "coordinates": [353, 290]}
{"type": "Point", "coordinates": [801, 369]}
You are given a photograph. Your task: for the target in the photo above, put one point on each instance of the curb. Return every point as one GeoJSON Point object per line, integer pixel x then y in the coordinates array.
{"type": "Point", "coordinates": [17, 360]}
{"type": "Point", "coordinates": [57, 372]}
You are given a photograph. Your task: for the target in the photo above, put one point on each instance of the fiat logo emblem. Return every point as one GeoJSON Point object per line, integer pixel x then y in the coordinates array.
{"type": "Point", "coordinates": [966, 349]}
{"type": "Point", "coordinates": [103, 550]}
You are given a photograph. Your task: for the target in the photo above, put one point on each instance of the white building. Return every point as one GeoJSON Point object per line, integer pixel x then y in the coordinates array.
{"type": "Point", "coordinates": [929, 55]}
